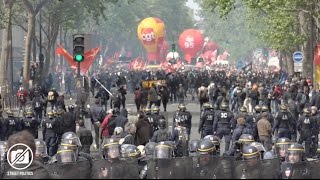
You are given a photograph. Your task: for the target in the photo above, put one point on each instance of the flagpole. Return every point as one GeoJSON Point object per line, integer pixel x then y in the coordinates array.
{"type": "Point", "coordinates": [103, 86]}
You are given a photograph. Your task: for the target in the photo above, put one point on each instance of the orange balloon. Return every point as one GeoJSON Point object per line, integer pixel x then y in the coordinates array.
{"type": "Point", "coordinates": [151, 33]}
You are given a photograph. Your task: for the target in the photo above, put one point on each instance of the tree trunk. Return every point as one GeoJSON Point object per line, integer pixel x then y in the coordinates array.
{"type": "Point", "coordinates": [26, 64]}
{"type": "Point", "coordinates": [289, 61]}
{"type": "Point", "coordinates": [5, 42]}
{"type": "Point", "coordinates": [306, 48]}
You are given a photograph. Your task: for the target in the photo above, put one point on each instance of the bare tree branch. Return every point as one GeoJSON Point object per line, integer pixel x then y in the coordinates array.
{"type": "Point", "coordinates": [41, 4]}
{"type": "Point", "coordinates": [27, 4]}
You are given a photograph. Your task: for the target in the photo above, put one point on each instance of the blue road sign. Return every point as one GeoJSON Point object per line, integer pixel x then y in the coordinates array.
{"type": "Point", "coordinates": [297, 57]}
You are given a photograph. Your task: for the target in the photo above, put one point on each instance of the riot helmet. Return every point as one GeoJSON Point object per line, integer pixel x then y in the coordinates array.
{"type": "Point", "coordinates": [245, 140]}
{"type": "Point", "coordinates": [243, 109]}
{"type": "Point", "coordinates": [3, 150]}
{"type": "Point", "coordinates": [182, 107]}
{"type": "Point", "coordinates": [10, 113]}
{"type": "Point", "coordinates": [207, 106]}
{"type": "Point", "coordinates": [282, 146]}
{"type": "Point", "coordinates": [306, 112]}
{"type": "Point", "coordinates": [50, 115]}
{"type": "Point", "coordinates": [147, 111]}
{"type": "Point", "coordinates": [215, 140]}
{"type": "Point", "coordinates": [163, 150]}
{"type": "Point", "coordinates": [264, 108]}
{"type": "Point", "coordinates": [260, 148]}
{"type": "Point", "coordinates": [111, 149]}
{"type": "Point", "coordinates": [250, 152]}
{"type": "Point", "coordinates": [149, 148]}
{"type": "Point", "coordinates": [130, 151]}
{"type": "Point", "coordinates": [162, 123]}
{"type": "Point", "coordinates": [156, 110]}
{"type": "Point", "coordinates": [257, 108]}
{"type": "Point", "coordinates": [193, 147]}
{"type": "Point", "coordinates": [65, 155]}
{"type": "Point", "coordinates": [283, 108]}
{"type": "Point", "coordinates": [71, 141]}
{"type": "Point", "coordinates": [29, 114]}
{"type": "Point", "coordinates": [206, 147]}
{"type": "Point", "coordinates": [314, 110]}
{"type": "Point", "coordinates": [295, 153]}
{"type": "Point", "coordinates": [224, 106]}
{"type": "Point", "coordinates": [41, 148]}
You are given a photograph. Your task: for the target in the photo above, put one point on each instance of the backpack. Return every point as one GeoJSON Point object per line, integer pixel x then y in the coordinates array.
{"type": "Point", "coordinates": [50, 95]}
{"type": "Point", "coordinates": [101, 116]}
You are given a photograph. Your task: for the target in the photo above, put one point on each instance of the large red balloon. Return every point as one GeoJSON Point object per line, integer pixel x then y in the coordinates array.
{"type": "Point", "coordinates": [190, 42]}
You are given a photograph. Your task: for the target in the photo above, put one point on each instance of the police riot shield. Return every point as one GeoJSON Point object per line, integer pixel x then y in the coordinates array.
{"type": "Point", "coordinates": [300, 170]}
{"type": "Point", "coordinates": [209, 167]}
{"type": "Point", "coordinates": [77, 170]}
{"type": "Point", "coordinates": [116, 169]}
{"type": "Point", "coordinates": [160, 169]}
{"type": "Point", "coordinates": [256, 169]}
{"type": "Point", "coordinates": [315, 169]}
{"type": "Point", "coordinates": [182, 167]}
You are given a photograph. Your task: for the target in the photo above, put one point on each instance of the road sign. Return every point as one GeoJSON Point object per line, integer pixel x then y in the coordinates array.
{"type": "Point", "coordinates": [297, 56]}
{"type": "Point", "coordinates": [298, 67]}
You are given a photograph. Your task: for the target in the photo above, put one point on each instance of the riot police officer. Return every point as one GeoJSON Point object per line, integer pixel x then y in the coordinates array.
{"type": "Point", "coordinates": [156, 117]}
{"type": "Point", "coordinates": [185, 118]}
{"type": "Point", "coordinates": [206, 120]}
{"type": "Point", "coordinates": [224, 124]}
{"type": "Point", "coordinates": [149, 151]}
{"type": "Point", "coordinates": [295, 155]}
{"type": "Point", "coordinates": [282, 146]}
{"type": "Point", "coordinates": [203, 164]}
{"type": "Point", "coordinates": [284, 124]}
{"type": "Point", "coordinates": [162, 134]}
{"type": "Point", "coordinates": [180, 137]}
{"type": "Point", "coordinates": [305, 127]}
{"type": "Point", "coordinates": [30, 124]}
{"type": "Point", "coordinates": [244, 140]}
{"type": "Point", "coordinates": [129, 152]}
{"type": "Point", "coordinates": [41, 153]}
{"type": "Point", "coordinates": [249, 168]}
{"type": "Point", "coordinates": [51, 130]}
{"type": "Point", "coordinates": [11, 124]}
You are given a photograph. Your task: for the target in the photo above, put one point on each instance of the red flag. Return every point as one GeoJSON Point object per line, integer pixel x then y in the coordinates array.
{"type": "Point", "coordinates": [89, 57]}
{"type": "Point", "coordinates": [61, 51]}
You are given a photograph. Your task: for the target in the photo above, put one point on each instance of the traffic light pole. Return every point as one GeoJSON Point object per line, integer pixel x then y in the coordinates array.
{"type": "Point", "coordinates": [78, 71]}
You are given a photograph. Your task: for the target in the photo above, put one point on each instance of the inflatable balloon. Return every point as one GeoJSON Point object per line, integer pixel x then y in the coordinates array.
{"type": "Point", "coordinates": [151, 33]}
{"type": "Point", "coordinates": [190, 42]}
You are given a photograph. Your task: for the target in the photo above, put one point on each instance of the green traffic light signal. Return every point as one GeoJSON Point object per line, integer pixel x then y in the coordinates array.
{"type": "Point", "coordinates": [79, 57]}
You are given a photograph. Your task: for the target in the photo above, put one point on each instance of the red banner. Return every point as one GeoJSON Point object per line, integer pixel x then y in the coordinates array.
{"type": "Point", "coordinates": [89, 57]}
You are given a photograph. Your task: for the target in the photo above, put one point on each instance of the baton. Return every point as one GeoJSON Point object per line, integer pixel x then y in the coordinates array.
{"type": "Point", "coordinates": [103, 87]}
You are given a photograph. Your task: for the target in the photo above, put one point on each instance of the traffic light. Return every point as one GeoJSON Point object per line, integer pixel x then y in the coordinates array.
{"type": "Point", "coordinates": [78, 47]}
